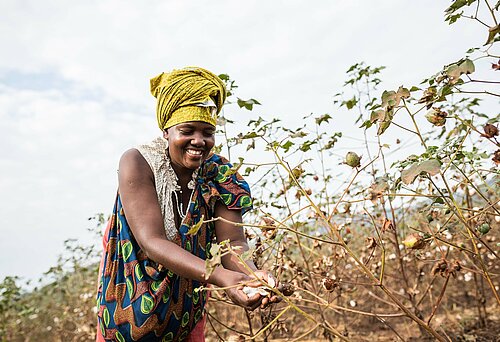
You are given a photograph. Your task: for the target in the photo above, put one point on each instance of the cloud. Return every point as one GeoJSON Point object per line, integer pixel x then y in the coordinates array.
{"type": "Point", "coordinates": [74, 80]}
{"type": "Point", "coordinates": [58, 165]}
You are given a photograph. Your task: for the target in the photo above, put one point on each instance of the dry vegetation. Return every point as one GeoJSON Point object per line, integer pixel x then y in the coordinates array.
{"type": "Point", "coordinates": [369, 248]}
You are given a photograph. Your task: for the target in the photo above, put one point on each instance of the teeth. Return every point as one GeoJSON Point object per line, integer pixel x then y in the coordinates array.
{"type": "Point", "coordinates": [194, 152]}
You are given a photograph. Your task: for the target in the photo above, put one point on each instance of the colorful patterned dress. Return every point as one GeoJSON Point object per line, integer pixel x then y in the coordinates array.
{"type": "Point", "coordinates": [140, 300]}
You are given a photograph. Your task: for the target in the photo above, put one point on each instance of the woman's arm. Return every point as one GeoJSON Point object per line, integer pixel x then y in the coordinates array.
{"type": "Point", "coordinates": [140, 204]}
{"type": "Point", "coordinates": [235, 234]}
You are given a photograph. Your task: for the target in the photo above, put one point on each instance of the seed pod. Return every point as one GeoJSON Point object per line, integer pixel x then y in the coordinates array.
{"type": "Point", "coordinates": [297, 172]}
{"type": "Point", "coordinates": [439, 267]}
{"type": "Point", "coordinates": [483, 228]}
{"type": "Point", "coordinates": [414, 241]}
{"type": "Point", "coordinates": [329, 284]}
{"type": "Point", "coordinates": [496, 157]}
{"type": "Point", "coordinates": [352, 159]}
{"type": "Point", "coordinates": [286, 289]}
{"type": "Point", "coordinates": [436, 116]}
{"type": "Point", "coordinates": [371, 242]}
{"type": "Point", "coordinates": [490, 131]}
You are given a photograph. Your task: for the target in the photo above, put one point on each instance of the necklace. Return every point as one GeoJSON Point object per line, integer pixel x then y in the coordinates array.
{"type": "Point", "coordinates": [167, 184]}
{"type": "Point", "coordinates": [178, 189]}
{"type": "Point", "coordinates": [180, 203]}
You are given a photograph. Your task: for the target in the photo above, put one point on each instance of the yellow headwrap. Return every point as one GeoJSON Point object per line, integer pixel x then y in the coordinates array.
{"type": "Point", "coordinates": [189, 94]}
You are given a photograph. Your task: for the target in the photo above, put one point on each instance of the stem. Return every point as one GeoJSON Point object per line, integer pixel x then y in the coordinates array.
{"type": "Point", "coordinates": [434, 309]}
{"type": "Point", "coordinates": [491, 12]}
{"type": "Point", "coordinates": [358, 263]}
{"type": "Point", "coordinates": [270, 323]}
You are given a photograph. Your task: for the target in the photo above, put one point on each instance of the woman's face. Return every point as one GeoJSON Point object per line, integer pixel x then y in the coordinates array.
{"type": "Point", "coordinates": [189, 144]}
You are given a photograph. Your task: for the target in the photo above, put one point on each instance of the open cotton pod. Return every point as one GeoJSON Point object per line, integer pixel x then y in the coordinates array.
{"type": "Point", "coordinates": [262, 290]}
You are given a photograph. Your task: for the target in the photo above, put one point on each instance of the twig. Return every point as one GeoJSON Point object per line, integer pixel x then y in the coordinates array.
{"type": "Point", "coordinates": [435, 307]}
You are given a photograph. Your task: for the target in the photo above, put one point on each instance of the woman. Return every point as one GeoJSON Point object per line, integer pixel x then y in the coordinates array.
{"type": "Point", "coordinates": [152, 265]}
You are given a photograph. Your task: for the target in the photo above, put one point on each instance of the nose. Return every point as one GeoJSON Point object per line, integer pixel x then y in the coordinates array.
{"type": "Point", "coordinates": [197, 139]}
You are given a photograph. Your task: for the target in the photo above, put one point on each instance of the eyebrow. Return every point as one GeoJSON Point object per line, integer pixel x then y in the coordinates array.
{"type": "Point", "coordinates": [190, 126]}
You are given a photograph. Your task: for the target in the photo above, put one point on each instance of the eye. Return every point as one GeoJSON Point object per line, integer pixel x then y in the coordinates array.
{"type": "Point", "coordinates": [186, 131]}
{"type": "Point", "coordinates": [209, 134]}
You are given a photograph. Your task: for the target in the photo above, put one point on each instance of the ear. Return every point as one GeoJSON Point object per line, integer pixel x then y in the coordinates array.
{"type": "Point", "coordinates": [165, 133]}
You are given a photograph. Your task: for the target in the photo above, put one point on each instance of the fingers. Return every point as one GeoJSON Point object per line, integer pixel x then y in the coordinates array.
{"type": "Point", "coordinates": [264, 303]}
{"type": "Point", "coordinates": [275, 299]}
{"type": "Point", "coordinates": [241, 299]}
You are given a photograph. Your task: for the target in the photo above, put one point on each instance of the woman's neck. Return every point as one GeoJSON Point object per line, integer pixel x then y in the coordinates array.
{"type": "Point", "coordinates": [184, 176]}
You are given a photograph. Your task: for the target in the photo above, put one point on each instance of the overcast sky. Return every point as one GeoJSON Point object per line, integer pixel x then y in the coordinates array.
{"type": "Point", "coordinates": [74, 87]}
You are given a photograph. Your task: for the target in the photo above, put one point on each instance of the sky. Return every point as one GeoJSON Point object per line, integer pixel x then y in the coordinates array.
{"type": "Point", "coordinates": [74, 87]}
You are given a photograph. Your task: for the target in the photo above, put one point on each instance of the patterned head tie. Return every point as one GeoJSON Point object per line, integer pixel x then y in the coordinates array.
{"type": "Point", "coordinates": [189, 94]}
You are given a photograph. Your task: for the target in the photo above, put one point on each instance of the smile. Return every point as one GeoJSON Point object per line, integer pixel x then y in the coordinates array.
{"type": "Point", "coordinates": [195, 153]}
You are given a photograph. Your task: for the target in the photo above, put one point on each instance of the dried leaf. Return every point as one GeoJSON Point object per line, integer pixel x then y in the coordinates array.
{"type": "Point", "coordinates": [467, 67]}
{"type": "Point", "coordinates": [431, 167]}
{"type": "Point", "coordinates": [493, 31]}
{"type": "Point", "coordinates": [377, 189]}
{"type": "Point", "coordinates": [414, 241]}
{"type": "Point", "coordinates": [371, 242]}
{"type": "Point", "coordinates": [193, 230]}
{"type": "Point", "coordinates": [214, 261]}
{"type": "Point", "coordinates": [388, 225]}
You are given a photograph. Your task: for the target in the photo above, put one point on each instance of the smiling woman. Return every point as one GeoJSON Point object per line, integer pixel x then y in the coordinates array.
{"type": "Point", "coordinates": [152, 264]}
{"type": "Point", "coordinates": [189, 145]}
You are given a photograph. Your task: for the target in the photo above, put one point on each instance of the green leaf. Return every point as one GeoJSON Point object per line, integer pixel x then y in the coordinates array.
{"type": "Point", "coordinates": [366, 124]}
{"type": "Point", "coordinates": [250, 135]}
{"type": "Point", "coordinates": [248, 104]}
{"type": "Point", "coordinates": [333, 139]}
{"type": "Point", "coordinates": [451, 19]}
{"type": "Point", "coordinates": [322, 118]}
{"type": "Point", "coordinates": [457, 4]}
{"type": "Point", "coordinates": [431, 166]}
{"type": "Point", "coordinates": [438, 200]}
{"type": "Point", "coordinates": [193, 230]}
{"type": "Point", "coordinates": [350, 104]}
{"type": "Point", "coordinates": [383, 127]}
{"type": "Point", "coordinates": [224, 77]}
{"type": "Point", "coordinates": [306, 146]}
{"type": "Point", "coordinates": [286, 146]}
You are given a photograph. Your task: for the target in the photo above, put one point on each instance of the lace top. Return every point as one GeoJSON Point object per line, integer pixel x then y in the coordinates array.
{"type": "Point", "coordinates": [166, 180]}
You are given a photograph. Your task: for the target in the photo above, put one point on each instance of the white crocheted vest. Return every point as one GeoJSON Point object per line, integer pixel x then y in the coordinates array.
{"type": "Point", "coordinates": [166, 180]}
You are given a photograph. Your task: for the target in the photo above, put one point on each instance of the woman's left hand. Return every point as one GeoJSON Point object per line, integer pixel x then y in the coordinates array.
{"type": "Point", "coordinates": [269, 279]}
